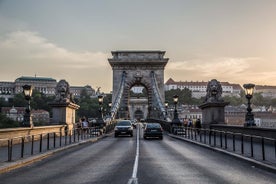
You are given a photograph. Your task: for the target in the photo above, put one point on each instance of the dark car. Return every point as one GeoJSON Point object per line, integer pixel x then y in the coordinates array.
{"type": "Point", "coordinates": [153, 130]}
{"type": "Point", "coordinates": [123, 127]}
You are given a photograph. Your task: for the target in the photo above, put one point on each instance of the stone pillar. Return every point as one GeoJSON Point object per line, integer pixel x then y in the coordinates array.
{"type": "Point", "coordinates": [64, 108]}
{"type": "Point", "coordinates": [212, 113]}
{"type": "Point", "coordinates": [64, 113]}
{"type": "Point", "coordinates": [213, 106]}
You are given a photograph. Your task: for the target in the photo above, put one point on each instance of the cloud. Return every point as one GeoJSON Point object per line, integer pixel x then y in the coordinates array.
{"type": "Point", "coordinates": [31, 47]}
{"type": "Point", "coordinates": [228, 69]}
{"type": "Point", "coordinates": [26, 53]}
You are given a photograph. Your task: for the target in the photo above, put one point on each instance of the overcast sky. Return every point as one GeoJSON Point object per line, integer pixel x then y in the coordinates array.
{"type": "Point", "coordinates": [230, 40]}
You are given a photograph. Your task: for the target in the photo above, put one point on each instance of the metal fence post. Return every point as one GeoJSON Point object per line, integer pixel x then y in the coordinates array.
{"type": "Point", "coordinates": [234, 145]}
{"type": "Point", "coordinates": [22, 146]}
{"type": "Point", "coordinates": [242, 151]}
{"type": "Point", "coordinates": [251, 145]}
{"type": "Point", "coordinates": [32, 148]}
{"type": "Point", "coordinates": [263, 148]}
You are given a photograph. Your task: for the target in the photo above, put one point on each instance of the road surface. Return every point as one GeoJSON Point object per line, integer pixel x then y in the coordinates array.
{"type": "Point", "coordinates": [126, 160]}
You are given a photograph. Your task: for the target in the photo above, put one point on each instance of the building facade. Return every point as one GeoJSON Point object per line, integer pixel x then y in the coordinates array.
{"type": "Point", "coordinates": [45, 85]}
{"type": "Point", "coordinates": [266, 91]}
{"type": "Point", "coordinates": [42, 84]}
{"type": "Point", "coordinates": [198, 89]}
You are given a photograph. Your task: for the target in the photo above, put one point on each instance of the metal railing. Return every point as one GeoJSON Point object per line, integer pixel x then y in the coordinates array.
{"type": "Point", "coordinates": [25, 146]}
{"type": "Point", "coordinates": [252, 146]}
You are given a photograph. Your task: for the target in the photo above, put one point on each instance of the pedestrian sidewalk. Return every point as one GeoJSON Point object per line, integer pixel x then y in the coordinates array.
{"type": "Point", "coordinates": [262, 164]}
{"type": "Point", "coordinates": [8, 166]}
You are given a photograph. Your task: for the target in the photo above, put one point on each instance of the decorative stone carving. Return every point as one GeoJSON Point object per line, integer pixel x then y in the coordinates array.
{"type": "Point", "coordinates": [213, 106]}
{"type": "Point", "coordinates": [63, 93]}
{"type": "Point", "coordinates": [214, 91]}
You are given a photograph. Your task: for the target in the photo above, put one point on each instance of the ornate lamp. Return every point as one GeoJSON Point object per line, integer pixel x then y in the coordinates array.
{"type": "Point", "coordinates": [166, 107]}
{"type": "Point", "coordinates": [27, 91]}
{"type": "Point", "coordinates": [100, 99]}
{"type": "Point", "coordinates": [100, 119]}
{"type": "Point", "coordinates": [110, 105]}
{"type": "Point", "coordinates": [249, 117]}
{"type": "Point", "coordinates": [175, 121]}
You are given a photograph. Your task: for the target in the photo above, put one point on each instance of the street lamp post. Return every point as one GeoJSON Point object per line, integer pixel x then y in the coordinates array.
{"type": "Point", "coordinates": [249, 118]}
{"type": "Point", "coordinates": [166, 107]}
{"type": "Point", "coordinates": [110, 105]}
{"type": "Point", "coordinates": [100, 119]}
{"type": "Point", "coordinates": [175, 114]}
{"type": "Point", "coordinates": [175, 121]}
{"type": "Point", "coordinates": [27, 90]}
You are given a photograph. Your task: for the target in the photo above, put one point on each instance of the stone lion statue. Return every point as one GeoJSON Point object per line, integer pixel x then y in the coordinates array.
{"type": "Point", "coordinates": [63, 92]}
{"type": "Point", "coordinates": [214, 91]}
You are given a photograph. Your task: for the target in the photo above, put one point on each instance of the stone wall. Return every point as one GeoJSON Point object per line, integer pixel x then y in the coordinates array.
{"type": "Point", "coordinates": [257, 131]}
{"type": "Point", "coordinates": [17, 133]}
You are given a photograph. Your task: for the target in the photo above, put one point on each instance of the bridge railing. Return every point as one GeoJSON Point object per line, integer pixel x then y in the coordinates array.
{"type": "Point", "coordinates": [256, 147]}
{"type": "Point", "coordinates": [24, 146]}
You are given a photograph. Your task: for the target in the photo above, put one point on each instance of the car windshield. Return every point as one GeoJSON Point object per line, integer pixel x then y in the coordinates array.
{"type": "Point", "coordinates": [153, 125]}
{"type": "Point", "coordinates": [124, 123]}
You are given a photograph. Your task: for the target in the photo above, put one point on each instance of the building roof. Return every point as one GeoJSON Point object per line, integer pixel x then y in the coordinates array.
{"type": "Point", "coordinates": [27, 78]}
{"type": "Point", "coordinates": [197, 83]}
{"type": "Point", "coordinates": [170, 81]}
{"type": "Point", "coordinates": [260, 87]}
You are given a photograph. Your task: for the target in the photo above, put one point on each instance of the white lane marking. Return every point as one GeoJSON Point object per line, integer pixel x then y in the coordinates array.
{"type": "Point", "coordinates": [134, 179]}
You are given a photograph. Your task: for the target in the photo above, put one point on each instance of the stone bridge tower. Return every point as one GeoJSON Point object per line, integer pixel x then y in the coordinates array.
{"type": "Point", "coordinates": [138, 66]}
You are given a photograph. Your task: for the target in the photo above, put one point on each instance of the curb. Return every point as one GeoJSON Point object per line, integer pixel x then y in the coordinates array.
{"type": "Point", "coordinates": [262, 165]}
{"type": "Point", "coordinates": [9, 166]}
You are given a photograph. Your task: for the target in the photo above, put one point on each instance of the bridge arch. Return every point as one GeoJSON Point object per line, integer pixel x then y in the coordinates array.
{"type": "Point", "coordinates": [133, 68]}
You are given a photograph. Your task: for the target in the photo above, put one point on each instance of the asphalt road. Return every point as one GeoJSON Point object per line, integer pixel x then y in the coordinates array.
{"type": "Point", "coordinates": [125, 160]}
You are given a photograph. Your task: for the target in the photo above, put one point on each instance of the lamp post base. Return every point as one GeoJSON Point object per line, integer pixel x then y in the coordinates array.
{"type": "Point", "coordinates": [248, 124]}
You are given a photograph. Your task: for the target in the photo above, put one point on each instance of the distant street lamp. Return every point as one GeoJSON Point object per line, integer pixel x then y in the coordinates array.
{"type": "Point", "coordinates": [27, 90]}
{"type": "Point", "coordinates": [110, 105]}
{"type": "Point", "coordinates": [100, 119]}
{"type": "Point", "coordinates": [166, 108]}
{"type": "Point", "coordinates": [249, 118]}
{"type": "Point", "coordinates": [175, 115]}
{"type": "Point", "coordinates": [175, 121]}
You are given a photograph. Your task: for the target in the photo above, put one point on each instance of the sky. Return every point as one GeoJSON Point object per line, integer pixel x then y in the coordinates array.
{"type": "Point", "coordinates": [227, 40]}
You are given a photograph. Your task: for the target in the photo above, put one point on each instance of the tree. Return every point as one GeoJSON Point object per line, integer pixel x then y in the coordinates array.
{"type": "Point", "coordinates": [6, 122]}
{"type": "Point", "coordinates": [184, 96]}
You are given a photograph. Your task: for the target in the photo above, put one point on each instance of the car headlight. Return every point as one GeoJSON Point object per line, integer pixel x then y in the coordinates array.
{"type": "Point", "coordinates": [115, 128]}
{"type": "Point", "coordinates": [130, 128]}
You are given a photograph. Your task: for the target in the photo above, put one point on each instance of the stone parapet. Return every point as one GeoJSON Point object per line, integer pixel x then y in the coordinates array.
{"type": "Point", "coordinates": [17, 133]}
{"type": "Point", "coordinates": [257, 131]}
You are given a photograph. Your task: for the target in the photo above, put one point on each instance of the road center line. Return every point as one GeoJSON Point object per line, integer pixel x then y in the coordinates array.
{"type": "Point", "coordinates": [133, 179]}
